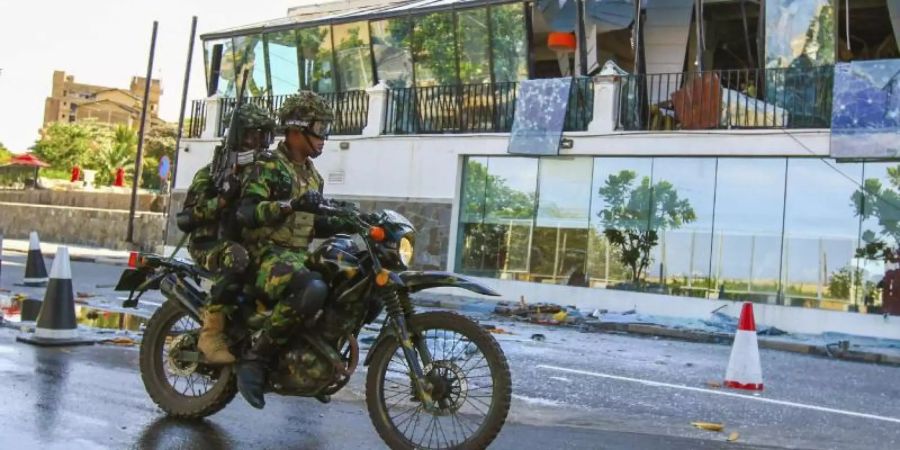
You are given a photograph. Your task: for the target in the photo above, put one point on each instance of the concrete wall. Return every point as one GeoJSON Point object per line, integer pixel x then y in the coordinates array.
{"type": "Point", "coordinates": [79, 199]}
{"type": "Point", "coordinates": [80, 226]}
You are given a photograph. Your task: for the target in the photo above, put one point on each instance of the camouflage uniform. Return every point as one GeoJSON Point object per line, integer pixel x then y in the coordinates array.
{"type": "Point", "coordinates": [225, 259]}
{"type": "Point", "coordinates": [278, 241]}
{"type": "Point", "coordinates": [208, 217]}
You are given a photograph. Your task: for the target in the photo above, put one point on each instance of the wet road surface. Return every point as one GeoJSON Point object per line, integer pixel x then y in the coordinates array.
{"type": "Point", "coordinates": [573, 390]}
{"type": "Point", "coordinates": [92, 398]}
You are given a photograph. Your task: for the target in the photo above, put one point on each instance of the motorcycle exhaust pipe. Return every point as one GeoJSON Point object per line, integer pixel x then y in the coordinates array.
{"type": "Point", "coordinates": [188, 296]}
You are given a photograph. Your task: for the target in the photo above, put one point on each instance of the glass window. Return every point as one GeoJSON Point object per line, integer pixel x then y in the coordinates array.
{"type": "Point", "coordinates": [316, 64]}
{"type": "Point", "coordinates": [619, 211]}
{"type": "Point", "coordinates": [682, 206]}
{"type": "Point", "coordinates": [283, 62]}
{"type": "Point", "coordinates": [226, 86]}
{"type": "Point", "coordinates": [747, 240]}
{"type": "Point", "coordinates": [433, 52]}
{"type": "Point", "coordinates": [498, 245]}
{"type": "Point", "coordinates": [820, 234]}
{"type": "Point", "coordinates": [508, 42]}
{"type": "Point", "coordinates": [560, 242]}
{"type": "Point", "coordinates": [391, 44]}
{"type": "Point", "coordinates": [473, 36]}
{"type": "Point", "coordinates": [249, 54]}
{"type": "Point", "coordinates": [879, 244]}
{"type": "Point", "coordinates": [799, 33]}
{"type": "Point", "coordinates": [353, 57]}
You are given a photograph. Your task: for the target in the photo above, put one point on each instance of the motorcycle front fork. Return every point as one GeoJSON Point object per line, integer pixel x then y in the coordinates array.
{"type": "Point", "coordinates": [415, 353]}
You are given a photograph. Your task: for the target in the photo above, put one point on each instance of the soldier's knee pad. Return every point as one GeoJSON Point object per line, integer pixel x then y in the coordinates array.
{"type": "Point", "coordinates": [308, 293]}
{"type": "Point", "coordinates": [235, 259]}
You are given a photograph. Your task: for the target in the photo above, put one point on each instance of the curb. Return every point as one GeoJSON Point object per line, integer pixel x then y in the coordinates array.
{"type": "Point", "coordinates": [439, 301]}
{"type": "Point", "coordinates": [123, 262]}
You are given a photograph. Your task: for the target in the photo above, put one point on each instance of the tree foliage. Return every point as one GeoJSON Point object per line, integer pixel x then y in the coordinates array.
{"type": "Point", "coordinates": [490, 195]}
{"type": "Point", "coordinates": [5, 154]}
{"type": "Point", "coordinates": [635, 213]}
{"type": "Point", "coordinates": [159, 142]}
{"type": "Point", "coordinates": [881, 202]}
{"type": "Point", "coordinates": [120, 151]}
{"type": "Point", "coordinates": [64, 145]}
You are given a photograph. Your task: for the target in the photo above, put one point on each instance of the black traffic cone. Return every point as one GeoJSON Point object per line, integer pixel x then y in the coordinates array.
{"type": "Point", "coordinates": [56, 324]}
{"type": "Point", "coordinates": [35, 270]}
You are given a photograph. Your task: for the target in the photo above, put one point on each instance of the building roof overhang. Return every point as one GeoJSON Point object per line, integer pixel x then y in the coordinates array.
{"type": "Point", "coordinates": [376, 12]}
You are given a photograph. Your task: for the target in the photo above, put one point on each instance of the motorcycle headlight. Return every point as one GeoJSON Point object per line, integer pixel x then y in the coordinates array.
{"type": "Point", "coordinates": [406, 251]}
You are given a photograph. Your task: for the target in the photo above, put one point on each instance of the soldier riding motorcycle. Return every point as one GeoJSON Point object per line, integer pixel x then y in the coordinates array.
{"type": "Point", "coordinates": [434, 380]}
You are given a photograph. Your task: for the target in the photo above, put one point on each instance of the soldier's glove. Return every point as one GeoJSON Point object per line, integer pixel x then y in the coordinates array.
{"type": "Point", "coordinates": [308, 202]}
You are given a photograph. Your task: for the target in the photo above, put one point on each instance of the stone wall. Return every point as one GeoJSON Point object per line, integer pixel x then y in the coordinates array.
{"type": "Point", "coordinates": [81, 226]}
{"type": "Point", "coordinates": [82, 199]}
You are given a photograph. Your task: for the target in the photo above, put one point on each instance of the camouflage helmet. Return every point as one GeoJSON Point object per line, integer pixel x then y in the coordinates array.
{"type": "Point", "coordinates": [303, 108]}
{"type": "Point", "coordinates": [253, 116]}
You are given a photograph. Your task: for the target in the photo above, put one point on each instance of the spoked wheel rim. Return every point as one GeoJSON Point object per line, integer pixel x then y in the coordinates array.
{"type": "Point", "coordinates": [187, 379]}
{"type": "Point", "coordinates": [463, 393]}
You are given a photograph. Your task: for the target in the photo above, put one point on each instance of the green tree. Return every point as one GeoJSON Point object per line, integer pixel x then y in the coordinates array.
{"type": "Point", "coordinates": [490, 195]}
{"type": "Point", "coordinates": [5, 154]}
{"type": "Point", "coordinates": [636, 212]}
{"type": "Point", "coordinates": [64, 145]}
{"type": "Point", "coordinates": [120, 151]}
{"type": "Point", "coordinates": [881, 202]}
{"type": "Point", "coordinates": [159, 142]}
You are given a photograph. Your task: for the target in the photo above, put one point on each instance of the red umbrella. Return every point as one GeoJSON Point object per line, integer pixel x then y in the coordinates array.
{"type": "Point", "coordinates": [27, 160]}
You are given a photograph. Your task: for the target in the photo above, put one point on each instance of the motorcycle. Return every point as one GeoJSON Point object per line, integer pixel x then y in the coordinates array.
{"type": "Point", "coordinates": [435, 380]}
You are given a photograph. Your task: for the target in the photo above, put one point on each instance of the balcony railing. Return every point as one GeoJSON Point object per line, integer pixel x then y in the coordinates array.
{"type": "Point", "coordinates": [351, 110]}
{"type": "Point", "coordinates": [724, 99]}
{"type": "Point", "coordinates": [472, 108]}
{"type": "Point", "coordinates": [198, 119]}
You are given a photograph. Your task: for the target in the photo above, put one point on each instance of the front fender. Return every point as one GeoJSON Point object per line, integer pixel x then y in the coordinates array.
{"type": "Point", "coordinates": [417, 281]}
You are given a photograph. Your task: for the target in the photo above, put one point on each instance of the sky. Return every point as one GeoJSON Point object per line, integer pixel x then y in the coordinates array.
{"type": "Point", "coordinates": [105, 42]}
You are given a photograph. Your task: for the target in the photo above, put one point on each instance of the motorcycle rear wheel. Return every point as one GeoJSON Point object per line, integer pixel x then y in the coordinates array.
{"type": "Point", "coordinates": [171, 329]}
{"type": "Point", "coordinates": [466, 362]}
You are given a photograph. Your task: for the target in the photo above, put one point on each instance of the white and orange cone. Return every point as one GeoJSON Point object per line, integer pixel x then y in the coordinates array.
{"type": "Point", "coordinates": [744, 370]}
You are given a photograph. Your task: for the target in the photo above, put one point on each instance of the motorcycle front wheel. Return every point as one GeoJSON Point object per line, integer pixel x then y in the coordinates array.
{"type": "Point", "coordinates": [471, 380]}
{"type": "Point", "coordinates": [184, 389]}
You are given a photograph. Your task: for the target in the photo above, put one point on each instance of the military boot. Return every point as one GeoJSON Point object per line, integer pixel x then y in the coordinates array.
{"type": "Point", "coordinates": [212, 340]}
{"type": "Point", "coordinates": [251, 375]}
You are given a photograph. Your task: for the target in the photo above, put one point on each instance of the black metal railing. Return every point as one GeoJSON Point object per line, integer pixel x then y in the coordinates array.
{"type": "Point", "coordinates": [351, 110]}
{"type": "Point", "coordinates": [197, 122]}
{"type": "Point", "coordinates": [472, 108]}
{"type": "Point", "coordinates": [722, 99]}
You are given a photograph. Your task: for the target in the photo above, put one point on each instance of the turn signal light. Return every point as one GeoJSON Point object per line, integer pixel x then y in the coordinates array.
{"type": "Point", "coordinates": [376, 233]}
{"type": "Point", "coordinates": [382, 278]}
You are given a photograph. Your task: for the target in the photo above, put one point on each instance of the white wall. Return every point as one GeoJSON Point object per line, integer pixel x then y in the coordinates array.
{"type": "Point", "coordinates": [791, 319]}
{"type": "Point", "coordinates": [195, 154]}
{"type": "Point", "coordinates": [424, 166]}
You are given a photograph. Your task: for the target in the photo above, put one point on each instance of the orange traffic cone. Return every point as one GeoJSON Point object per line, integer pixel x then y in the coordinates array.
{"type": "Point", "coordinates": [744, 370]}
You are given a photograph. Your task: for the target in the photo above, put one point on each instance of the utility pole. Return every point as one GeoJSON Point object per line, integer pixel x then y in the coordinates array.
{"type": "Point", "coordinates": [136, 181]}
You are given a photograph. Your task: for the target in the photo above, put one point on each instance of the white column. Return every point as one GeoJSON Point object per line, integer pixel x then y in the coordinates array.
{"type": "Point", "coordinates": [606, 93]}
{"type": "Point", "coordinates": [212, 118]}
{"type": "Point", "coordinates": [377, 108]}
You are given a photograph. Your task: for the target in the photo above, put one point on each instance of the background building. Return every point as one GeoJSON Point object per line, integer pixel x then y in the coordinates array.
{"type": "Point", "coordinates": [699, 170]}
{"type": "Point", "coordinates": [70, 101]}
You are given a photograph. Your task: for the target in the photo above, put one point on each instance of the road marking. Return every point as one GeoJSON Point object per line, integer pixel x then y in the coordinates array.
{"type": "Point", "coordinates": [723, 393]}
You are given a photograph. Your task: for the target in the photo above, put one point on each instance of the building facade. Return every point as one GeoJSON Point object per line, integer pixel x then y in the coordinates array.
{"type": "Point", "coordinates": [70, 101]}
{"type": "Point", "coordinates": [696, 170]}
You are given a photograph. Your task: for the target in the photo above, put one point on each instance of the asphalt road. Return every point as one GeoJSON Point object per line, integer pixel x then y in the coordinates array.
{"type": "Point", "coordinates": [573, 390]}
{"type": "Point", "coordinates": [92, 398]}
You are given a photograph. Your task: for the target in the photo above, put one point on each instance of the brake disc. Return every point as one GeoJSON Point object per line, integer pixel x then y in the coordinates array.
{"type": "Point", "coordinates": [177, 366]}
